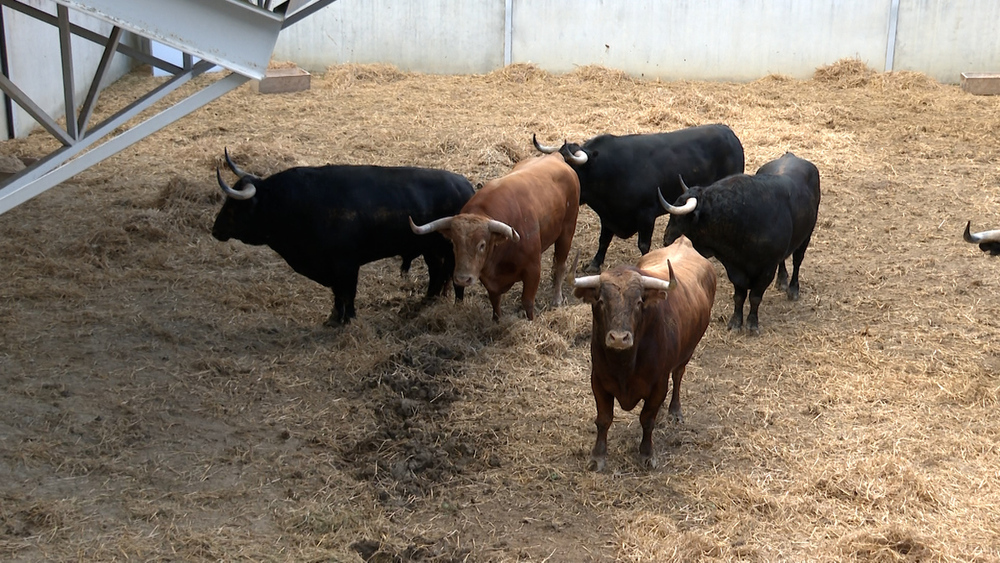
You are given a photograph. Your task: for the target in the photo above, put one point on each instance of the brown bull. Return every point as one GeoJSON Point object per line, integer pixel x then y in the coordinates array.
{"type": "Point", "coordinates": [648, 319]}
{"type": "Point", "coordinates": [500, 234]}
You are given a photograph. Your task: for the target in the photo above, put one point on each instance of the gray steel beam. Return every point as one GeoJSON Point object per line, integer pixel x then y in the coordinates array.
{"type": "Point", "coordinates": [93, 36]}
{"type": "Point", "coordinates": [66, 55]}
{"type": "Point", "coordinates": [95, 86]}
{"type": "Point", "coordinates": [245, 47]}
{"type": "Point", "coordinates": [295, 12]}
{"type": "Point", "coordinates": [37, 113]}
{"type": "Point", "coordinates": [244, 44]}
{"type": "Point", "coordinates": [59, 170]}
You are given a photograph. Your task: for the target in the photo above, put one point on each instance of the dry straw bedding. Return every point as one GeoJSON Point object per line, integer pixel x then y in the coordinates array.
{"type": "Point", "coordinates": [171, 397]}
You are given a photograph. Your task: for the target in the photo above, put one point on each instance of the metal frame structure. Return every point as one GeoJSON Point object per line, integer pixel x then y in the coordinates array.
{"type": "Point", "coordinates": [190, 26]}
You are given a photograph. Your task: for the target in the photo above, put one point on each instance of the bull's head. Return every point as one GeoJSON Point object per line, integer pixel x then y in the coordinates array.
{"type": "Point", "coordinates": [574, 154]}
{"type": "Point", "coordinates": [618, 298]}
{"type": "Point", "coordinates": [988, 241]}
{"type": "Point", "coordinates": [474, 238]}
{"type": "Point", "coordinates": [237, 218]}
{"type": "Point", "coordinates": [682, 216]}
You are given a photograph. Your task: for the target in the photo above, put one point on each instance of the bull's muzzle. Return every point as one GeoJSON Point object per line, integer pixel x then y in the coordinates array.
{"type": "Point", "coordinates": [464, 280]}
{"type": "Point", "coordinates": [619, 339]}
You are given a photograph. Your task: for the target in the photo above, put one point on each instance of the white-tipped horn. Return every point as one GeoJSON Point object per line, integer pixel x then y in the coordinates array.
{"type": "Point", "coordinates": [435, 225]}
{"type": "Point", "coordinates": [587, 282]}
{"type": "Point", "coordinates": [504, 229]}
{"type": "Point", "coordinates": [688, 206]}
{"type": "Point", "coordinates": [982, 236]}
{"type": "Point", "coordinates": [649, 282]}
{"type": "Point", "coordinates": [246, 193]}
{"type": "Point", "coordinates": [578, 158]}
{"type": "Point", "coordinates": [547, 149]}
{"type": "Point", "coordinates": [232, 165]}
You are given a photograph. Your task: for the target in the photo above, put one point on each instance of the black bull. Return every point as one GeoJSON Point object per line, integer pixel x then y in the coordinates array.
{"type": "Point", "coordinates": [751, 224]}
{"type": "Point", "coordinates": [619, 176]}
{"type": "Point", "coordinates": [327, 221]}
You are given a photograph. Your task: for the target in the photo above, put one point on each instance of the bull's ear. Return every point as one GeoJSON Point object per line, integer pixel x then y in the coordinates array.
{"type": "Point", "coordinates": [593, 154]}
{"type": "Point", "coordinates": [652, 296]}
{"type": "Point", "coordinates": [586, 294]}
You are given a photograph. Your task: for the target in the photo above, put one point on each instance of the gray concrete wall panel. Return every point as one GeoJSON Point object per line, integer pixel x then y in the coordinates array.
{"type": "Point", "coordinates": [944, 38]}
{"type": "Point", "coordinates": [442, 37]}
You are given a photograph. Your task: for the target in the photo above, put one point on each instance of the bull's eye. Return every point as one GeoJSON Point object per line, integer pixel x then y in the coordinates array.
{"type": "Point", "coordinates": [482, 247]}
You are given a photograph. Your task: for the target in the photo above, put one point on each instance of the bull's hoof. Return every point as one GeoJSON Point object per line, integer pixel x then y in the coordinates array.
{"type": "Point", "coordinates": [793, 294]}
{"type": "Point", "coordinates": [675, 417]}
{"type": "Point", "coordinates": [336, 321]}
{"type": "Point", "coordinates": [648, 461]}
{"type": "Point", "coordinates": [736, 324]}
{"type": "Point", "coordinates": [597, 464]}
{"type": "Point", "coordinates": [592, 268]}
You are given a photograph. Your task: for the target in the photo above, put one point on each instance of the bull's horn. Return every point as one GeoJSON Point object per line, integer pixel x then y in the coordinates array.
{"type": "Point", "coordinates": [688, 206]}
{"type": "Point", "coordinates": [435, 225]}
{"type": "Point", "coordinates": [578, 158]}
{"type": "Point", "coordinates": [587, 282]}
{"type": "Point", "coordinates": [684, 188]}
{"type": "Point", "coordinates": [984, 236]}
{"type": "Point", "coordinates": [246, 193]}
{"type": "Point", "coordinates": [649, 282]}
{"type": "Point", "coordinates": [503, 229]}
{"type": "Point", "coordinates": [547, 149]}
{"type": "Point", "coordinates": [232, 165]}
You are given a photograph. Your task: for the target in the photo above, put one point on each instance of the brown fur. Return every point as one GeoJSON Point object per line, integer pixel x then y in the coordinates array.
{"type": "Point", "coordinates": [642, 338]}
{"type": "Point", "coordinates": [539, 199]}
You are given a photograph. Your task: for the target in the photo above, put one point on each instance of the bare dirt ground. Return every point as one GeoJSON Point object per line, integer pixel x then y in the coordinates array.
{"type": "Point", "coordinates": [170, 397]}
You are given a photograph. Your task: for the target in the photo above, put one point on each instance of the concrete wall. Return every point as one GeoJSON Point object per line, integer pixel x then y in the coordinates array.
{"type": "Point", "coordinates": [36, 67]}
{"type": "Point", "coordinates": [708, 39]}
{"type": "Point", "coordinates": [437, 36]}
{"type": "Point", "coordinates": [944, 39]}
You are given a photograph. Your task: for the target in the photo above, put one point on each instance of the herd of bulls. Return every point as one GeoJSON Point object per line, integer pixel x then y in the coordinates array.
{"type": "Point", "coordinates": [326, 222]}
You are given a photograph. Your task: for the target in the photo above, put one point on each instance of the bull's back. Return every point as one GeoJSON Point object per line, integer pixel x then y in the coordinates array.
{"type": "Point", "coordinates": [360, 213]}
{"type": "Point", "coordinates": [633, 167]}
{"type": "Point", "coordinates": [694, 273]}
{"type": "Point", "coordinates": [538, 196]}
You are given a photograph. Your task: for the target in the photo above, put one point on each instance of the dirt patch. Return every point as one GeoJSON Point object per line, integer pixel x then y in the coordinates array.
{"type": "Point", "coordinates": [168, 396]}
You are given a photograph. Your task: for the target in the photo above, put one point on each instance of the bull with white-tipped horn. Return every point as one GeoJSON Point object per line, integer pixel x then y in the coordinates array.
{"type": "Point", "coordinates": [500, 234]}
{"type": "Point", "coordinates": [988, 241]}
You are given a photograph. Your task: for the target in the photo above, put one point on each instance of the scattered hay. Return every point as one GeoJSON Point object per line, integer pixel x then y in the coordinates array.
{"type": "Point", "coordinates": [167, 393]}
{"type": "Point", "coordinates": [518, 73]}
{"type": "Point", "coordinates": [346, 75]}
{"type": "Point", "coordinates": [846, 73]}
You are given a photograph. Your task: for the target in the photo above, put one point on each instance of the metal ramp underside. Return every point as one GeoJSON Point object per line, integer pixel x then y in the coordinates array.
{"type": "Point", "coordinates": [190, 26]}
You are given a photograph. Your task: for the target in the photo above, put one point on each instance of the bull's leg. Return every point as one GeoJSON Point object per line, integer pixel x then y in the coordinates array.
{"type": "Point", "coordinates": [495, 302]}
{"type": "Point", "coordinates": [602, 250]}
{"type": "Point", "coordinates": [437, 279]}
{"type": "Point", "coordinates": [753, 326]}
{"type": "Point", "coordinates": [739, 298]}
{"type": "Point", "coordinates": [345, 288]}
{"type": "Point", "coordinates": [558, 273]}
{"type": "Point", "coordinates": [674, 410]}
{"type": "Point", "coordinates": [757, 289]}
{"type": "Point", "coordinates": [782, 282]}
{"type": "Point", "coordinates": [797, 256]}
{"type": "Point", "coordinates": [532, 278]}
{"type": "Point", "coordinates": [647, 418]}
{"type": "Point", "coordinates": [449, 271]}
{"type": "Point", "coordinates": [646, 237]}
{"type": "Point", "coordinates": [605, 414]}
